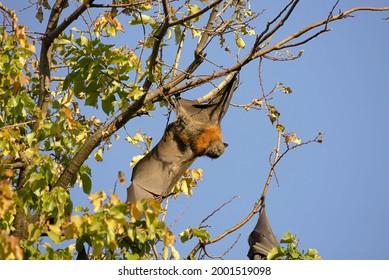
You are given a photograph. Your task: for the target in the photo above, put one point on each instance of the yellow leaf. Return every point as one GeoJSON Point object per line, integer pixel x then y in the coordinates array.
{"type": "Point", "coordinates": [239, 42]}
{"type": "Point", "coordinates": [197, 173]}
{"type": "Point", "coordinates": [286, 90]}
{"type": "Point", "coordinates": [135, 160]}
{"type": "Point", "coordinates": [155, 205]}
{"type": "Point", "coordinates": [116, 23]}
{"type": "Point", "coordinates": [99, 155]}
{"type": "Point", "coordinates": [121, 178]}
{"type": "Point", "coordinates": [138, 137]}
{"type": "Point", "coordinates": [175, 253]}
{"type": "Point", "coordinates": [165, 253]}
{"type": "Point", "coordinates": [280, 127]}
{"type": "Point", "coordinates": [30, 152]}
{"type": "Point", "coordinates": [55, 229]}
{"type": "Point", "coordinates": [291, 137]}
{"type": "Point", "coordinates": [135, 213]}
{"type": "Point", "coordinates": [169, 238]}
{"type": "Point", "coordinates": [115, 200]}
{"type": "Point", "coordinates": [146, 6]}
{"type": "Point", "coordinates": [77, 221]}
{"type": "Point", "coordinates": [193, 9]}
{"type": "Point", "coordinates": [6, 198]}
{"type": "Point", "coordinates": [69, 117]}
{"type": "Point", "coordinates": [30, 47]}
{"type": "Point", "coordinates": [145, 18]}
{"type": "Point", "coordinates": [97, 200]}
{"type": "Point", "coordinates": [24, 80]}
{"type": "Point", "coordinates": [195, 32]}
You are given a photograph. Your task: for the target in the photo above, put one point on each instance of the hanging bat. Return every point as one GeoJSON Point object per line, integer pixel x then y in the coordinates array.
{"type": "Point", "coordinates": [195, 132]}
{"type": "Point", "coordinates": [261, 239]}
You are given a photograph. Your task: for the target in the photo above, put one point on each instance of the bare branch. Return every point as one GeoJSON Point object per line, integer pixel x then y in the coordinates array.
{"type": "Point", "coordinates": [11, 15]}
{"type": "Point", "coordinates": [205, 36]}
{"type": "Point", "coordinates": [216, 210]}
{"type": "Point", "coordinates": [261, 200]}
{"type": "Point", "coordinates": [53, 33]}
{"type": "Point", "coordinates": [165, 6]}
{"type": "Point", "coordinates": [158, 36]}
{"type": "Point", "coordinates": [213, 92]}
{"type": "Point", "coordinates": [15, 165]}
{"type": "Point", "coordinates": [17, 124]}
{"type": "Point", "coordinates": [265, 34]}
{"type": "Point", "coordinates": [179, 51]}
{"type": "Point", "coordinates": [127, 5]}
{"type": "Point", "coordinates": [225, 252]}
{"type": "Point", "coordinates": [281, 44]}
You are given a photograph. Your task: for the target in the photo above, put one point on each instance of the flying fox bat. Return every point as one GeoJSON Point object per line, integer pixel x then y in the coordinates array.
{"type": "Point", "coordinates": [261, 239]}
{"type": "Point", "coordinates": [195, 132]}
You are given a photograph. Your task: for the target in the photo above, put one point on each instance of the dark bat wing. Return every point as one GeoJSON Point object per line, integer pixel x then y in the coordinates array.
{"type": "Point", "coordinates": [155, 175]}
{"type": "Point", "coordinates": [261, 239]}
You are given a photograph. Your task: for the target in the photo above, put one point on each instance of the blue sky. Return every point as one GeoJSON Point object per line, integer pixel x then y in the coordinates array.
{"type": "Point", "coordinates": [333, 195]}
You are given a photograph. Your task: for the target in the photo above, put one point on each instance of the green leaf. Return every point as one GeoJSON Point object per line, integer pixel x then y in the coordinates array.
{"type": "Point", "coordinates": [79, 209]}
{"type": "Point", "coordinates": [177, 34]}
{"type": "Point", "coordinates": [185, 235]}
{"type": "Point", "coordinates": [201, 234]}
{"type": "Point", "coordinates": [91, 99]}
{"type": "Point", "coordinates": [84, 40]}
{"type": "Point", "coordinates": [86, 183]}
{"type": "Point", "coordinates": [45, 3]}
{"type": "Point", "coordinates": [99, 155]}
{"type": "Point", "coordinates": [31, 140]}
{"type": "Point", "coordinates": [276, 253]}
{"type": "Point", "coordinates": [39, 14]}
{"type": "Point", "coordinates": [193, 9]}
{"type": "Point", "coordinates": [287, 238]}
{"type": "Point", "coordinates": [108, 104]}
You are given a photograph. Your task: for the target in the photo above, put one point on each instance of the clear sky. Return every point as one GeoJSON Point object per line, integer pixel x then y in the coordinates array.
{"type": "Point", "coordinates": [333, 195]}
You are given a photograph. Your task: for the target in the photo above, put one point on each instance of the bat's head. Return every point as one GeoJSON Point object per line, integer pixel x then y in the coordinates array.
{"type": "Point", "coordinates": [216, 149]}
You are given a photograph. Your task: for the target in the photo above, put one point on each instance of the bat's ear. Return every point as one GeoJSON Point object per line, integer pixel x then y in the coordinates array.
{"type": "Point", "coordinates": [225, 145]}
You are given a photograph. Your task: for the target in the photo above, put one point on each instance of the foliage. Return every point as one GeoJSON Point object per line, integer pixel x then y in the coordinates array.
{"type": "Point", "coordinates": [290, 250]}
{"type": "Point", "coordinates": [67, 90]}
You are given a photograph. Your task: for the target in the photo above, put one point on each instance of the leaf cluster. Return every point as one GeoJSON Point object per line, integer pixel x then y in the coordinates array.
{"type": "Point", "coordinates": [289, 250]}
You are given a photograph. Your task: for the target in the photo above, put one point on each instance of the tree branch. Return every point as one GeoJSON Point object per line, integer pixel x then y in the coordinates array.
{"type": "Point", "coordinates": [265, 34]}
{"type": "Point", "coordinates": [281, 44]}
{"type": "Point", "coordinates": [127, 5]}
{"type": "Point", "coordinates": [69, 20]}
{"type": "Point", "coordinates": [11, 15]}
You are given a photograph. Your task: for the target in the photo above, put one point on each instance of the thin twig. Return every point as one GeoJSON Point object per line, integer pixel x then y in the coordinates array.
{"type": "Point", "coordinates": [17, 124]}
{"type": "Point", "coordinates": [179, 52]}
{"type": "Point", "coordinates": [216, 210]}
{"type": "Point", "coordinates": [127, 5]}
{"type": "Point", "coordinates": [224, 253]}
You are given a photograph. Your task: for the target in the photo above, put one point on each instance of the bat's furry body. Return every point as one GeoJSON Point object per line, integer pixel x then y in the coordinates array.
{"type": "Point", "coordinates": [261, 239]}
{"type": "Point", "coordinates": [195, 132]}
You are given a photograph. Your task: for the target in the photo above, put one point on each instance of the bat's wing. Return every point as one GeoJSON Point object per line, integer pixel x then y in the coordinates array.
{"type": "Point", "coordinates": [155, 175]}
{"type": "Point", "coordinates": [261, 239]}
{"type": "Point", "coordinates": [214, 110]}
